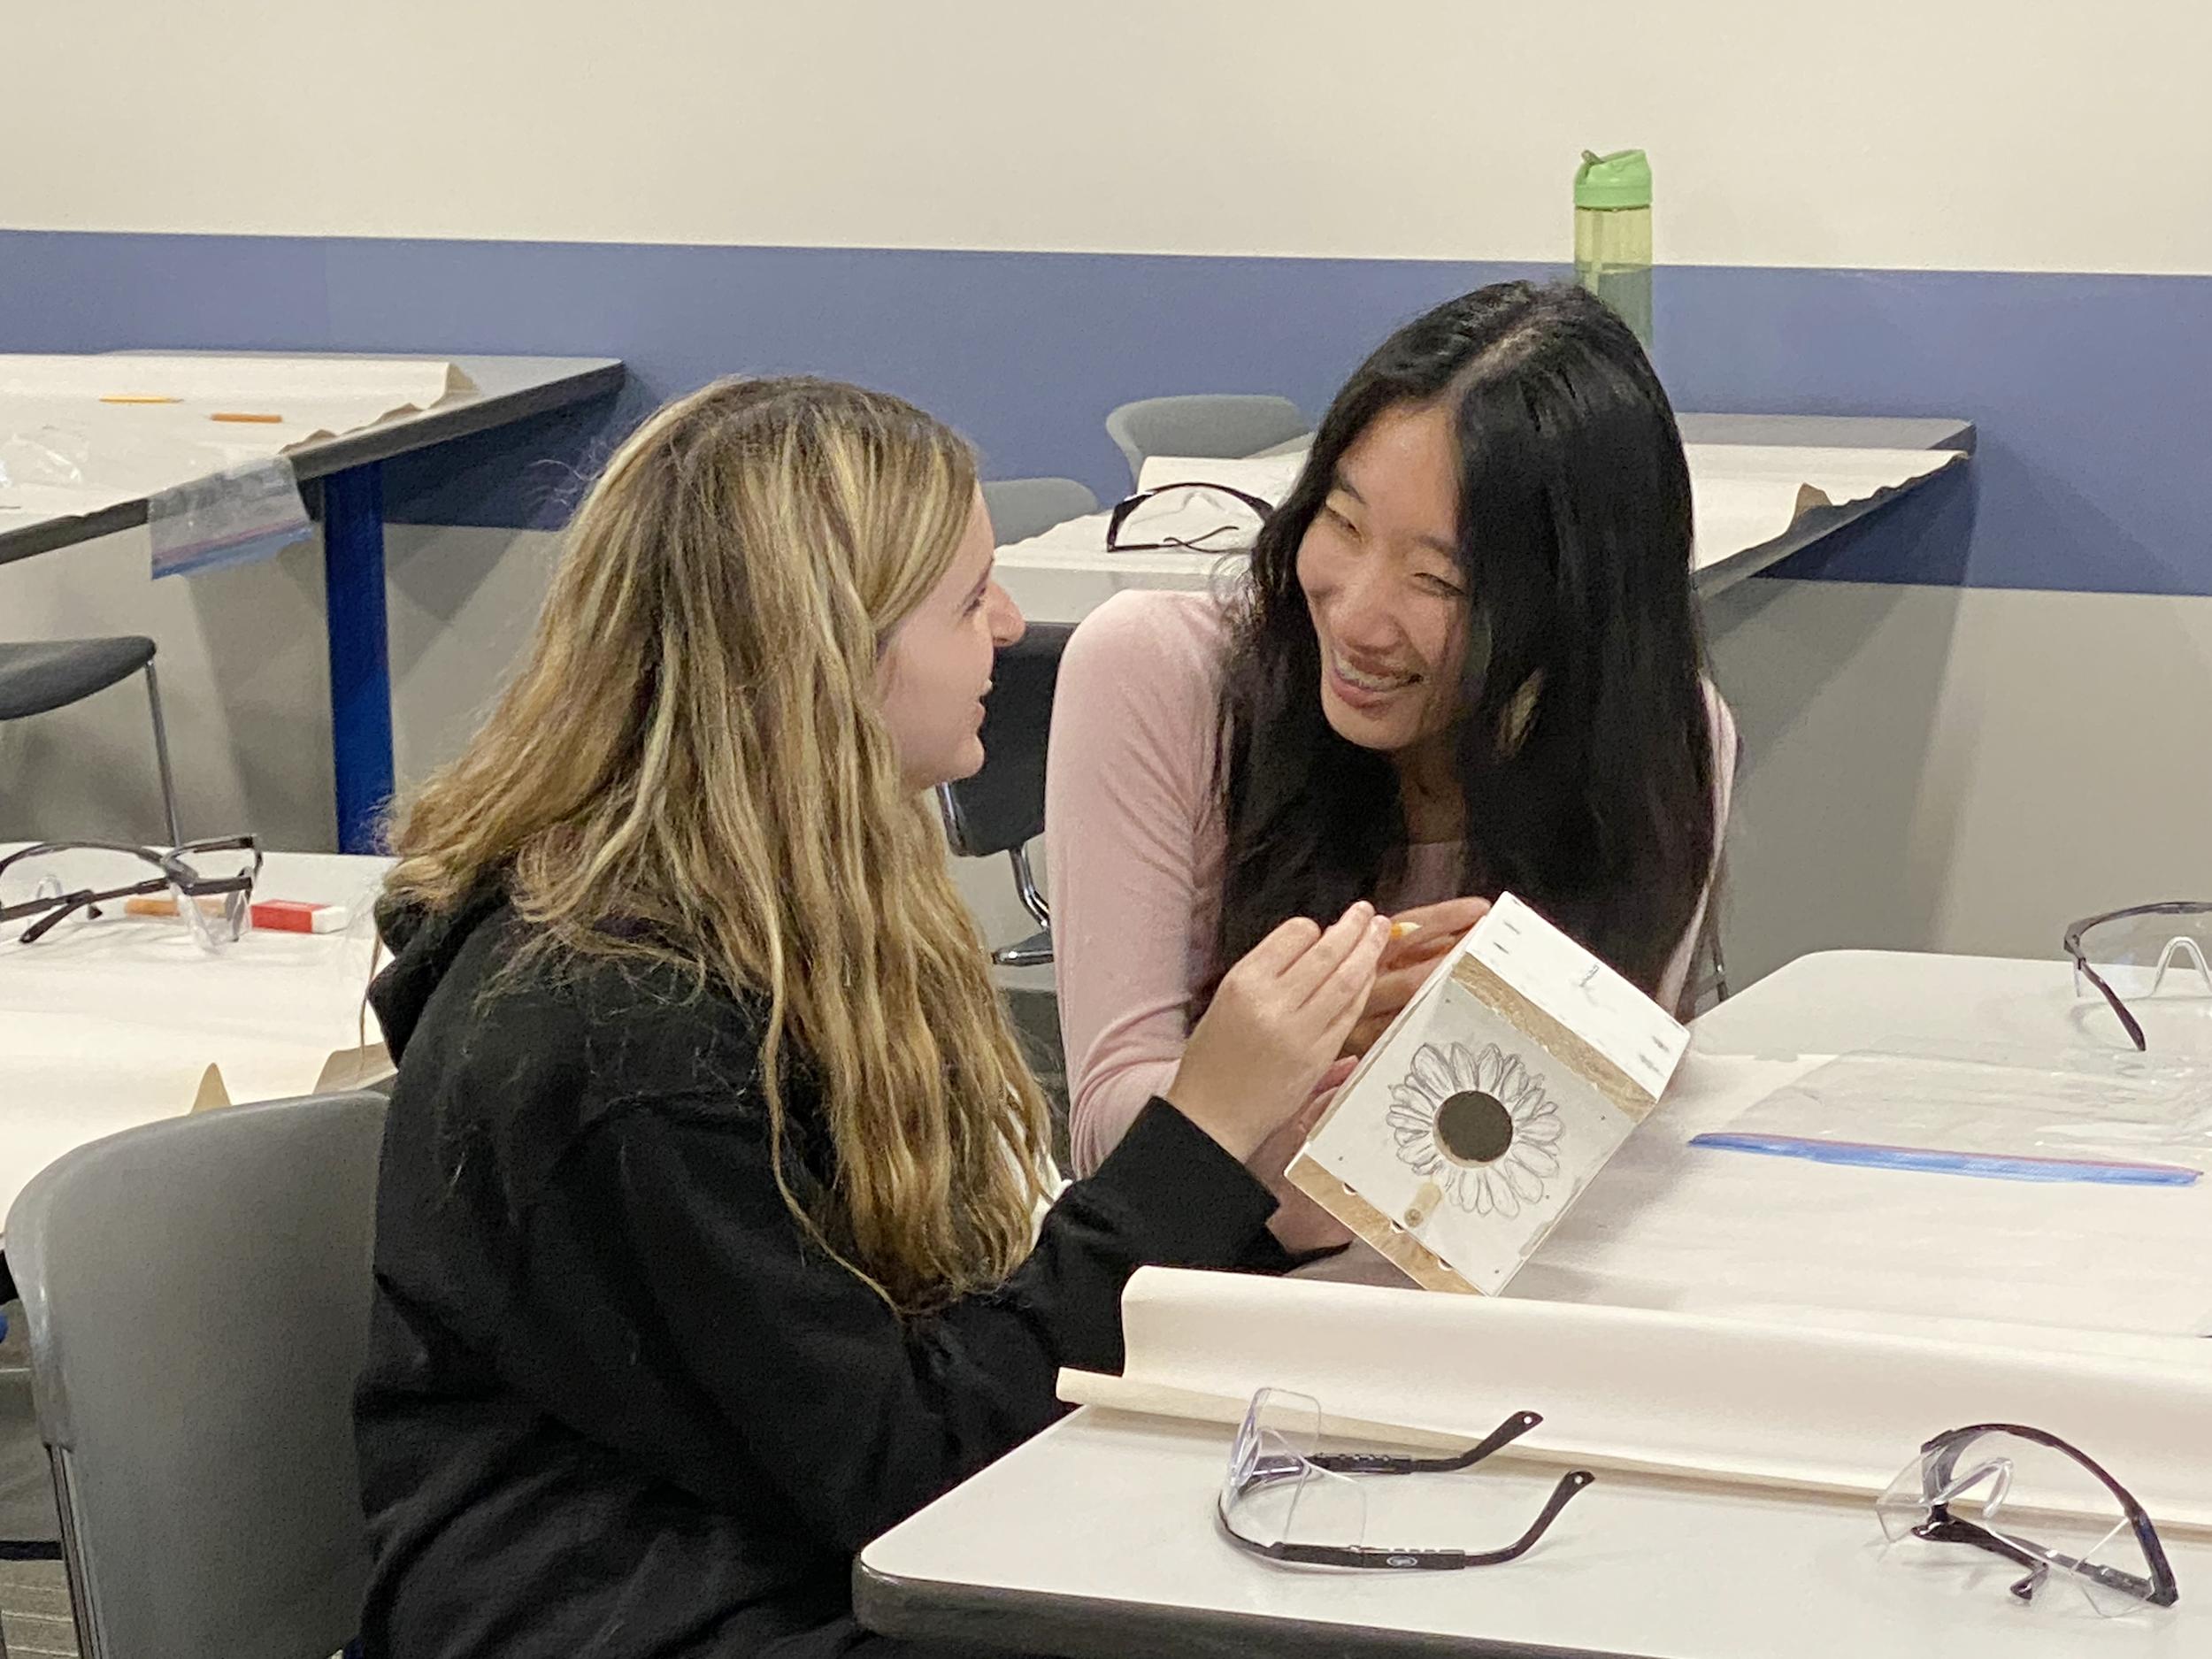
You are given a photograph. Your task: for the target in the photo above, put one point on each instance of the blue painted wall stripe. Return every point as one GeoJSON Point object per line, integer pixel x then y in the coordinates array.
{"type": "Point", "coordinates": [2092, 393]}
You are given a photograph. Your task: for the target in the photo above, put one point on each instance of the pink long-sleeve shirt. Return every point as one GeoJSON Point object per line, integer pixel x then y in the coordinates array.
{"type": "Point", "coordinates": [1134, 844]}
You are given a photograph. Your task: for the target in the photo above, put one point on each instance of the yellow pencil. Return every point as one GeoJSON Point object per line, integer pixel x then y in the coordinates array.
{"type": "Point", "coordinates": [167, 906]}
{"type": "Point", "coordinates": [139, 397]}
{"type": "Point", "coordinates": [1400, 930]}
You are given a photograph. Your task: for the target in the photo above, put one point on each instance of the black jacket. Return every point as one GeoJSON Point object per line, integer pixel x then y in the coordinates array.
{"type": "Point", "coordinates": [615, 1403]}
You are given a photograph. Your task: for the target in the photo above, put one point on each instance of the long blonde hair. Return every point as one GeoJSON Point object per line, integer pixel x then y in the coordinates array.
{"type": "Point", "coordinates": [692, 741]}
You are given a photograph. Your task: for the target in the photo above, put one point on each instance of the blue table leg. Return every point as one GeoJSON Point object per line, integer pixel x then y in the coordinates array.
{"type": "Point", "coordinates": [360, 672]}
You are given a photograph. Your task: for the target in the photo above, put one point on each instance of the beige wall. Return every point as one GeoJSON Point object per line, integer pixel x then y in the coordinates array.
{"type": "Point", "coordinates": [1975, 134]}
{"type": "Point", "coordinates": [1966, 770]}
{"type": "Point", "coordinates": [1924, 768]}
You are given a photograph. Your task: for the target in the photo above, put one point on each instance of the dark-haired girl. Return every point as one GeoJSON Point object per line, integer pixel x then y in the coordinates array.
{"type": "Point", "coordinates": [1467, 660]}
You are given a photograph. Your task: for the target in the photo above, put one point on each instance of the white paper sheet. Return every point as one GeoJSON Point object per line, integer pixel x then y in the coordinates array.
{"type": "Point", "coordinates": [66, 452]}
{"type": "Point", "coordinates": [1730, 1400]}
{"type": "Point", "coordinates": [205, 376]}
{"type": "Point", "coordinates": [1744, 496]}
{"type": "Point", "coordinates": [1671, 1226]}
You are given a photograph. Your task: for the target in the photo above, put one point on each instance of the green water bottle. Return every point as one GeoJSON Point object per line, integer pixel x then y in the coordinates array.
{"type": "Point", "coordinates": [1613, 234]}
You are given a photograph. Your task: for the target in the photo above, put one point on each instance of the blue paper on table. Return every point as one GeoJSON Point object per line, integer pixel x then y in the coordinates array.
{"type": "Point", "coordinates": [1928, 1161]}
{"type": "Point", "coordinates": [2084, 1115]}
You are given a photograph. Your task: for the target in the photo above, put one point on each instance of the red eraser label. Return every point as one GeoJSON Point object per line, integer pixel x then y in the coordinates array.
{"type": "Point", "coordinates": [296, 915]}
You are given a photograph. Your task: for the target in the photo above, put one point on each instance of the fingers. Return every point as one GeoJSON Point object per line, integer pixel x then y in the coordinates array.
{"type": "Point", "coordinates": [1450, 916]}
{"type": "Point", "coordinates": [1396, 984]}
{"type": "Point", "coordinates": [1282, 947]}
{"type": "Point", "coordinates": [1311, 1112]}
{"type": "Point", "coordinates": [1303, 978]}
{"type": "Point", "coordinates": [1425, 946]}
{"type": "Point", "coordinates": [1304, 954]}
{"type": "Point", "coordinates": [1364, 1035]}
{"type": "Point", "coordinates": [1288, 1135]}
{"type": "Point", "coordinates": [1426, 933]}
{"type": "Point", "coordinates": [1337, 1001]}
{"type": "Point", "coordinates": [1300, 1224]}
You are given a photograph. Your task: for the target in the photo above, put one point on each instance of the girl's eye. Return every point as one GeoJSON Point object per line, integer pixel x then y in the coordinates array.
{"type": "Point", "coordinates": [1339, 521]}
{"type": "Point", "coordinates": [1442, 585]}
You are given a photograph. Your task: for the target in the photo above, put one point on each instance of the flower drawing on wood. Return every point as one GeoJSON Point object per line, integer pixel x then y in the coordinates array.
{"type": "Point", "coordinates": [1478, 1125]}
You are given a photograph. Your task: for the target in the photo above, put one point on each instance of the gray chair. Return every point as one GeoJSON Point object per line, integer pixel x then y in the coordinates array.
{"type": "Point", "coordinates": [1702, 994]}
{"type": "Point", "coordinates": [47, 674]}
{"type": "Point", "coordinates": [1220, 423]}
{"type": "Point", "coordinates": [30, 1531]}
{"type": "Point", "coordinates": [1002, 809]}
{"type": "Point", "coordinates": [197, 1292]}
{"type": "Point", "coordinates": [1024, 507]}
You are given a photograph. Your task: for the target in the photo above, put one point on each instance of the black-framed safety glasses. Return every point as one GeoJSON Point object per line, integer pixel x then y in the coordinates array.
{"type": "Point", "coordinates": [208, 882]}
{"type": "Point", "coordinates": [1199, 541]}
{"type": "Point", "coordinates": [1288, 1500]}
{"type": "Point", "coordinates": [2133, 951]}
{"type": "Point", "coordinates": [2028, 1496]}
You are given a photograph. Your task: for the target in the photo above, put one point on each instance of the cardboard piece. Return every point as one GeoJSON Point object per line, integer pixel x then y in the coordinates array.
{"type": "Point", "coordinates": [345, 1068]}
{"type": "Point", "coordinates": [211, 1094]}
{"type": "Point", "coordinates": [1489, 1104]}
{"type": "Point", "coordinates": [355, 1068]}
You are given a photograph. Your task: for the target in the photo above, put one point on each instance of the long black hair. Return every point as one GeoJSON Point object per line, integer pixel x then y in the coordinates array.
{"type": "Point", "coordinates": [1594, 803]}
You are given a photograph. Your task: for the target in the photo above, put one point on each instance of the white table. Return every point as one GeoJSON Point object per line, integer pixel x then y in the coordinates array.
{"type": "Point", "coordinates": [1065, 585]}
{"type": "Point", "coordinates": [1096, 1537]}
{"type": "Point", "coordinates": [106, 1025]}
{"type": "Point", "coordinates": [1728, 1234]}
{"type": "Point", "coordinates": [350, 467]}
{"type": "Point", "coordinates": [1838, 1000]}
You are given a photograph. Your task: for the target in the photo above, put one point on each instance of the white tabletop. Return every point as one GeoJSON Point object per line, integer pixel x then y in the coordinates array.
{"type": "Point", "coordinates": [1097, 1538]}
{"type": "Point", "coordinates": [1671, 1226]}
{"type": "Point", "coordinates": [1838, 1000]}
{"type": "Point", "coordinates": [504, 390]}
{"type": "Point", "coordinates": [1862, 432]}
{"type": "Point", "coordinates": [1063, 574]}
{"type": "Point", "coordinates": [111, 1023]}
{"type": "Point", "coordinates": [1858, 431]}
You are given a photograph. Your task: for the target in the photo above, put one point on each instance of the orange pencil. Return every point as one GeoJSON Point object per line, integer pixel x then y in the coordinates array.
{"type": "Point", "coordinates": [256, 420]}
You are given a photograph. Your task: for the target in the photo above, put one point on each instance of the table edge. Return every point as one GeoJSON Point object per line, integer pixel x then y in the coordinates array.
{"type": "Point", "coordinates": [464, 418]}
{"type": "Point", "coordinates": [594, 377]}
{"type": "Point", "coordinates": [1099, 1627]}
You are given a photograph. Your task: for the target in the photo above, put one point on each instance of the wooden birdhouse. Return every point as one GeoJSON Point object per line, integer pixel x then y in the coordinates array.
{"type": "Point", "coordinates": [1490, 1101]}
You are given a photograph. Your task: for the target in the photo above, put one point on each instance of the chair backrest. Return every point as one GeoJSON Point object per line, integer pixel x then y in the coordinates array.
{"type": "Point", "coordinates": [1003, 806]}
{"type": "Point", "coordinates": [197, 1293]}
{"type": "Point", "coordinates": [1213, 423]}
{"type": "Point", "coordinates": [48, 674]}
{"type": "Point", "coordinates": [1024, 507]}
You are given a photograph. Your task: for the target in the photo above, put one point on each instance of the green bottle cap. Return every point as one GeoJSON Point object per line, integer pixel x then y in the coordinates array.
{"type": "Point", "coordinates": [1620, 180]}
